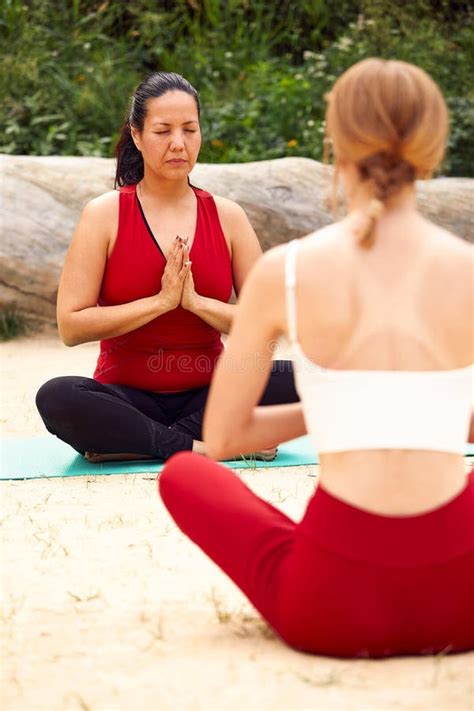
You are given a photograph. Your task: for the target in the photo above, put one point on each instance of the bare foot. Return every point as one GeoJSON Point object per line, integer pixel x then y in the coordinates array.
{"type": "Point", "coordinates": [264, 455]}
{"type": "Point", "coordinates": [199, 447]}
{"type": "Point", "coordinates": [97, 458]}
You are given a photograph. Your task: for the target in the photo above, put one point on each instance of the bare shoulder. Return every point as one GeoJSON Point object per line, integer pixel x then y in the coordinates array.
{"type": "Point", "coordinates": [269, 271]}
{"type": "Point", "coordinates": [267, 274]}
{"type": "Point", "coordinates": [321, 239]}
{"type": "Point", "coordinates": [451, 272]}
{"type": "Point", "coordinates": [273, 260]}
{"type": "Point", "coordinates": [453, 252]}
{"type": "Point", "coordinates": [227, 206]}
{"type": "Point", "coordinates": [103, 206]}
{"type": "Point", "coordinates": [231, 214]}
{"type": "Point", "coordinates": [99, 220]}
{"type": "Point", "coordinates": [450, 239]}
{"type": "Point", "coordinates": [451, 290]}
{"type": "Point", "coordinates": [265, 286]}
{"type": "Point", "coordinates": [461, 269]}
{"type": "Point", "coordinates": [320, 248]}
{"type": "Point", "coordinates": [267, 278]}
{"type": "Point", "coordinates": [240, 236]}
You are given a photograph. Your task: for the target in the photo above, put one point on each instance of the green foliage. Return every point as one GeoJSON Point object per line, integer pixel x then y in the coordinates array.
{"type": "Point", "coordinates": [460, 155]}
{"type": "Point", "coordinates": [68, 68]}
{"type": "Point", "coordinates": [12, 324]}
{"type": "Point", "coordinates": [63, 78]}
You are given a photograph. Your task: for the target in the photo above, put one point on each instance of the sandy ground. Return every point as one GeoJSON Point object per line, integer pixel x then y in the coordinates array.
{"type": "Point", "coordinates": [107, 607]}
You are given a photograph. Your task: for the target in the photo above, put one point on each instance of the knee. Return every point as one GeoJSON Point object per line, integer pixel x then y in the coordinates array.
{"type": "Point", "coordinates": [54, 396]}
{"type": "Point", "coordinates": [176, 475]}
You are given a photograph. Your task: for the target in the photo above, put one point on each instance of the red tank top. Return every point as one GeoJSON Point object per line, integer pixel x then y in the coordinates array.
{"type": "Point", "coordinates": [177, 350]}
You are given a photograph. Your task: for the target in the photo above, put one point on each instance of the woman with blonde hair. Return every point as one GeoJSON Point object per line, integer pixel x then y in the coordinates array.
{"type": "Point", "coordinates": [382, 562]}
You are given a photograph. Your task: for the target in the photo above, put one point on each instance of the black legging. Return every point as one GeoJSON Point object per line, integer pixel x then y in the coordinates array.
{"type": "Point", "coordinates": [110, 419]}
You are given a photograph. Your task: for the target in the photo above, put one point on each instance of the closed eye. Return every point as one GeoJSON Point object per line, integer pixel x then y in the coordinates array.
{"type": "Point", "coordinates": [162, 133]}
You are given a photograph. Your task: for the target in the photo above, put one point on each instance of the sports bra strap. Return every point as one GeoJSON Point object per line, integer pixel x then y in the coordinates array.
{"type": "Point", "coordinates": [290, 290]}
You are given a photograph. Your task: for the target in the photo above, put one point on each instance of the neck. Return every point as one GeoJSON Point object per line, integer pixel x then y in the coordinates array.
{"type": "Point", "coordinates": [403, 201]}
{"type": "Point", "coordinates": [397, 220]}
{"type": "Point", "coordinates": [161, 189]}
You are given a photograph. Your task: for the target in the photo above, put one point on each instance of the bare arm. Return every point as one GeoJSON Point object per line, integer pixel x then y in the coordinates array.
{"type": "Point", "coordinates": [79, 317]}
{"type": "Point", "coordinates": [233, 421]}
{"type": "Point", "coordinates": [244, 248]}
{"type": "Point", "coordinates": [216, 313]}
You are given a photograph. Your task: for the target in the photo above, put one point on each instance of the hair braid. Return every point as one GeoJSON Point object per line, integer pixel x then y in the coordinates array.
{"type": "Point", "coordinates": [387, 174]}
{"type": "Point", "coordinates": [389, 119]}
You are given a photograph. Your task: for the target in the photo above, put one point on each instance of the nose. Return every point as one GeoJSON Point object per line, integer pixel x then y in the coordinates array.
{"type": "Point", "coordinates": [177, 141]}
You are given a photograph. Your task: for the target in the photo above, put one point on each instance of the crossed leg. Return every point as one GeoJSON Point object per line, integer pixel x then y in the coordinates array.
{"type": "Point", "coordinates": [245, 535]}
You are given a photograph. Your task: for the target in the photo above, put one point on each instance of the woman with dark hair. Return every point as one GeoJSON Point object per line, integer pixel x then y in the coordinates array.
{"type": "Point", "coordinates": [149, 273]}
{"type": "Point", "coordinates": [382, 561]}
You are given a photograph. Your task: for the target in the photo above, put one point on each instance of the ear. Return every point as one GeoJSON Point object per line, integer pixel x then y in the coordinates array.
{"type": "Point", "coordinates": [135, 138]}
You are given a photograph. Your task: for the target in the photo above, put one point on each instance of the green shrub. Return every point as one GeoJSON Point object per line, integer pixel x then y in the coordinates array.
{"type": "Point", "coordinates": [68, 68]}
{"type": "Point", "coordinates": [12, 324]}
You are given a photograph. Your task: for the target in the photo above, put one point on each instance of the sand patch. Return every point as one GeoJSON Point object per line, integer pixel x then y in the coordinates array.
{"type": "Point", "coordinates": [106, 606]}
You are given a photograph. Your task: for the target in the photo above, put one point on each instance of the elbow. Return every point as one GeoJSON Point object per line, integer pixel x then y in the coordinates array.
{"type": "Point", "coordinates": [224, 439]}
{"type": "Point", "coordinates": [69, 342]}
{"type": "Point", "coordinates": [71, 329]}
{"type": "Point", "coordinates": [226, 326]}
{"type": "Point", "coordinates": [219, 446]}
{"type": "Point", "coordinates": [214, 441]}
{"type": "Point", "coordinates": [67, 335]}
{"type": "Point", "coordinates": [218, 451]}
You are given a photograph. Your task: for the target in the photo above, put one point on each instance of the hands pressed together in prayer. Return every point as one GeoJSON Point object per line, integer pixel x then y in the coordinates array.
{"type": "Point", "coordinates": [177, 283]}
{"type": "Point", "coordinates": [177, 289]}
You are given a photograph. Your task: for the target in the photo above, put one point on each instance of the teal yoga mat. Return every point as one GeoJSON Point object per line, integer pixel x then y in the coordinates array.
{"type": "Point", "coordinates": [47, 457]}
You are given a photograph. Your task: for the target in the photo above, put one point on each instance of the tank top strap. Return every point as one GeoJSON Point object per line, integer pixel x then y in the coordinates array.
{"type": "Point", "coordinates": [126, 206]}
{"type": "Point", "coordinates": [290, 290]}
{"type": "Point", "coordinates": [210, 228]}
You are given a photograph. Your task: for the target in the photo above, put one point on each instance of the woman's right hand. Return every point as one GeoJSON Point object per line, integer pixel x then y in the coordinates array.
{"type": "Point", "coordinates": [175, 272]}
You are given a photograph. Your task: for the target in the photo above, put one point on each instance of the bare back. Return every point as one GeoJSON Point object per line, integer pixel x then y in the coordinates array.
{"type": "Point", "coordinates": [406, 304]}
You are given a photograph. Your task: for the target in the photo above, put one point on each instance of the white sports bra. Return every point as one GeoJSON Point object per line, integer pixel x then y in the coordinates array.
{"type": "Point", "coordinates": [378, 409]}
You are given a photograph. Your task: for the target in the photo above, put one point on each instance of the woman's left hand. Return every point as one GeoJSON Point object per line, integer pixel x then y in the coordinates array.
{"type": "Point", "coordinates": [189, 296]}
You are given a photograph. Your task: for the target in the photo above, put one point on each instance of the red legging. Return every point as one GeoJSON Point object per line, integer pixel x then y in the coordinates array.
{"type": "Point", "coordinates": [343, 581]}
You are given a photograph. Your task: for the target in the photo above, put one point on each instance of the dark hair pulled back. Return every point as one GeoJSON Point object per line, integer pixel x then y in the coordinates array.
{"type": "Point", "coordinates": [129, 159]}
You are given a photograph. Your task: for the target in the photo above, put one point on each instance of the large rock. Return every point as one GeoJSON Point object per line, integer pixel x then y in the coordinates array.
{"type": "Point", "coordinates": [285, 198]}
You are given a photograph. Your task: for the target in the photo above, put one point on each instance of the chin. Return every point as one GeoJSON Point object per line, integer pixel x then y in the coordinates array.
{"type": "Point", "coordinates": [178, 168]}
{"type": "Point", "coordinates": [177, 175]}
